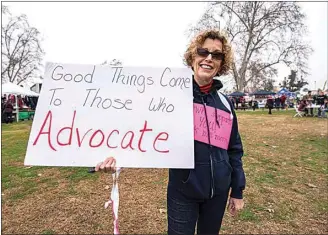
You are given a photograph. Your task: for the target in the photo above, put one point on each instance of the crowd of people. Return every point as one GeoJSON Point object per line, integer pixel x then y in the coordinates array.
{"type": "Point", "coordinates": [306, 104]}
{"type": "Point", "coordinates": [277, 101]}
{"type": "Point", "coordinates": [8, 106]}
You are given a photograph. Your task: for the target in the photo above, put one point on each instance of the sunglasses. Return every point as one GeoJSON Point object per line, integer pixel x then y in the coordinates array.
{"type": "Point", "coordinates": [215, 55]}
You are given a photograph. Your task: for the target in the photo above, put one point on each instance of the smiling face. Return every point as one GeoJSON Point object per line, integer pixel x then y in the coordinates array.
{"type": "Point", "coordinates": [206, 68]}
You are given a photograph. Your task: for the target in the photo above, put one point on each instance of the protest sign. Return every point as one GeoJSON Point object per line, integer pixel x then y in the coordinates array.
{"type": "Point", "coordinates": [141, 116]}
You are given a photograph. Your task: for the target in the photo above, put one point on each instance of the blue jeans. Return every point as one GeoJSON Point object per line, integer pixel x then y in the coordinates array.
{"type": "Point", "coordinates": [184, 213]}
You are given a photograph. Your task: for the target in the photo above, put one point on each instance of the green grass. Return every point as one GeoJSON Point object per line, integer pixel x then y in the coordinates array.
{"type": "Point", "coordinates": [322, 206]}
{"type": "Point", "coordinates": [286, 211]}
{"type": "Point", "coordinates": [23, 193]}
{"type": "Point", "coordinates": [22, 181]}
{"type": "Point", "coordinates": [257, 112]}
{"type": "Point", "coordinates": [268, 178]}
{"type": "Point", "coordinates": [159, 182]}
{"type": "Point", "coordinates": [76, 174]}
{"type": "Point", "coordinates": [14, 175]}
{"type": "Point", "coordinates": [16, 126]}
{"type": "Point", "coordinates": [247, 214]}
{"type": "Point", "coordinates": [315, 153]}
{"type": "Point", "coordinates": [48, 231]}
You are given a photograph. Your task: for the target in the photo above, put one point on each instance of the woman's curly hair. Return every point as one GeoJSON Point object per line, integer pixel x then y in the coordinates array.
{"type": "Point", "coordinates": [199, 40]}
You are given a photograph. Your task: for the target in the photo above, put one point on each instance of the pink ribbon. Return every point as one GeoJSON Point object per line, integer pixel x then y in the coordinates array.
{"type": "Point", "coordinates": [114, 200]}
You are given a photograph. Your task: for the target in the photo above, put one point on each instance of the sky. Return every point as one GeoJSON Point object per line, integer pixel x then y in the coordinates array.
{"type": "Point", "coordinates": [143, 33]}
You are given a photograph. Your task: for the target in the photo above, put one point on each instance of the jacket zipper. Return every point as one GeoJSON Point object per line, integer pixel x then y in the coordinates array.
{"type": "Point", "coordinates": [212, 174]}
{"type": "Point", "coordinates": [211, 160]}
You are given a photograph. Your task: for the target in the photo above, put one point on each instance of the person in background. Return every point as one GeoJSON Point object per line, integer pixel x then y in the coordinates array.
{"type": "Point", "coordinates": [243, 104]}
{"type": "Point", "coordinates": [320, 101]}
{"type": "Point", "coordinates": [241, 99]}
{"type": "Point", "coordinates": [309, 99]}
{"type": "Point", "coordinates": [256, 104]}
{"type": "Point", "coordinates": [269, 103]}
{"type": "Point", "coordinates": [26, 101]}
{"type": "Point", "coordinates": [199, 196]}
{"type": "Point", "coordinates": [253, 102]}
{"type": "Point", "coordinates": [288, 103]}
{"type": "Point", "coordinates": [34, 102]}
{"type": "Point", "coordinates": [324, 108]}
{"type": "Point", "coordinates": [12, 98]}
{"type": "Point", "coordinates": [302, 106]}
{"type": "Point", "coordinates": [20, 102]}
{"type": "Point", "coordinates": [250, 103]}
{"type": "Point", "coordinates": [237, 102]}
{"type": "Point", "coordinates": [277, 102]}
{"type": "Point", "coordinates": [283, 101]}
{"type": "Point", "coordinates": [8, 111]}
{"type": "Point", "coordinates": [3, 102]}
{"type": "Point", "coordinates": [298, 101]}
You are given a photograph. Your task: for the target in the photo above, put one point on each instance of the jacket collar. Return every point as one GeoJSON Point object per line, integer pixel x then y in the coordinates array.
{"type": "Point", "coordinates": [217, 85]}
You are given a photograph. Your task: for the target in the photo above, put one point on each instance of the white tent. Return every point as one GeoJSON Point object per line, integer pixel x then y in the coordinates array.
{"type": "Point", "coordinates": [11, 88]}
{"type": "Point", "coordinates": [29, 92]}
{"type": "Point", "coordinates": [37, 80]}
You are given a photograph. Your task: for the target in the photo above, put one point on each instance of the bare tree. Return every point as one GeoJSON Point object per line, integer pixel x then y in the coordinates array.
{"type": "Point", "coordinates": [263, 34]}
{"type": "Point", "coordinates": [21, 52]}
{"type": "Point", "coordinates": [5, 10]}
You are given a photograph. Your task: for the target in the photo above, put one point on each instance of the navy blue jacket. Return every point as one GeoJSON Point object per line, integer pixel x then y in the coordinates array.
{"type": "Point", "coordinates": [216, 169]}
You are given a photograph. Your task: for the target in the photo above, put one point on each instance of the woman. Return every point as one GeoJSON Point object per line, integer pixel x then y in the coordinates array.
{"type": "Point", "coordinates": [270, 103]}
{"type": "Point", "coordinates": [199, 196]}
{"type": "Point", "coordinates": [8, 111]}
{"type": "Point", "coordinates": [303, 106]}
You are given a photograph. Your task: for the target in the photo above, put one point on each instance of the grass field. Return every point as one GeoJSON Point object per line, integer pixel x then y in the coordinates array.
{"type": "Point", "coordinates": [286, 168]}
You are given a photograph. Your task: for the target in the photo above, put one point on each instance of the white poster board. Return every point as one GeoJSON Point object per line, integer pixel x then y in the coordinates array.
{"type": "Point", "coordinates": [141, 116]}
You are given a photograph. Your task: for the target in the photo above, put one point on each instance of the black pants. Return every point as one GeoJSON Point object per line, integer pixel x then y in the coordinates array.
{"type": "Point", "coordinates": [8, 117]}
{"type": "Point", "coordinates": [184, 213]}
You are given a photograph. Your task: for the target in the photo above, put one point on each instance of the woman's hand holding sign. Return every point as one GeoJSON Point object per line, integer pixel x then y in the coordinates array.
{"type": "Point", "coordinates": [109, 165]}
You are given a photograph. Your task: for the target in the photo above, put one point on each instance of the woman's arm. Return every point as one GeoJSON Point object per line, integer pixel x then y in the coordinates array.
{"type": "Point", "coordinates": [235, 152]}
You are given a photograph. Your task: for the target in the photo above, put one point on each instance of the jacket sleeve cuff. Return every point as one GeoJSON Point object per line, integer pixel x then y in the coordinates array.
{"type": "Point", "coordinates": [238, 194]}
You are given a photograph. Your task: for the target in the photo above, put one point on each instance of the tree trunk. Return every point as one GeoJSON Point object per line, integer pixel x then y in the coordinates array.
{"type": "Point", "coordinates": [238, 79]}
{"type": "Point", "coordinates": [240, 84]}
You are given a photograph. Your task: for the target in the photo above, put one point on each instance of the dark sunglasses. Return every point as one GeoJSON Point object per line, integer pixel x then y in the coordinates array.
{"type": "Point", "coordinates": [215, 55]}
